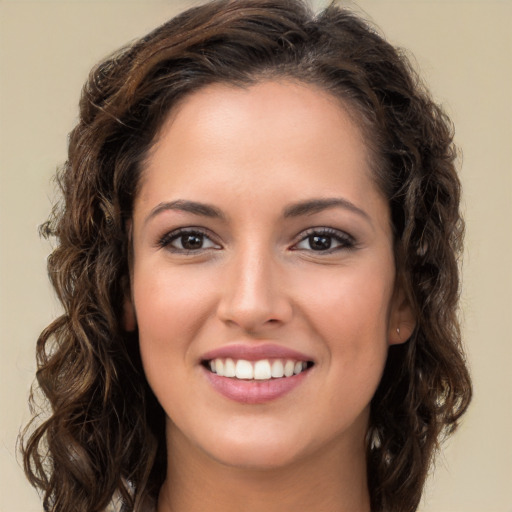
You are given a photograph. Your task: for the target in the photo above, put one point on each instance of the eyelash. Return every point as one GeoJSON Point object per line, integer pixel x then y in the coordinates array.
{"type": "Point", "coordinates": [345, 241]}
{"type": "Point", "coordinates": [165, 241]}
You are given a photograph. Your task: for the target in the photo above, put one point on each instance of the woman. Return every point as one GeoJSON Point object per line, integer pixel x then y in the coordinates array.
{"type": "Point", "coordinates": [257, 257]}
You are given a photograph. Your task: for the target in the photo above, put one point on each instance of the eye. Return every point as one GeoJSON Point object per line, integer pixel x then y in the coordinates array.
{"type": "Point", "coordinates": [325, 240]}
{"type": "Point", "coordinates": [186, 241]}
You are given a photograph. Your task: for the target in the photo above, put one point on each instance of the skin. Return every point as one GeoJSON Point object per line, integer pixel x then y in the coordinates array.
{"type": "Point", "coordinates": [252, 153]}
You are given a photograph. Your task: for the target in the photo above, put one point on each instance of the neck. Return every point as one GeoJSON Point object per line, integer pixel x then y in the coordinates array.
{"type": "Point", "coordinates": [333, 480]}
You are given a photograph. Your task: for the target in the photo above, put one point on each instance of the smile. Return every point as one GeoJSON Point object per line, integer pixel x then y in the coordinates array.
{"type": "Point", "coordinates": [263, 369]}
{"type": "Point", "coordinates": [255, 373]}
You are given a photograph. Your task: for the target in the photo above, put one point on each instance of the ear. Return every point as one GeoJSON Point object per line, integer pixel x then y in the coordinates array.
{"type": "Point", "coordinates": [402, 320]}
{"type": "Point", "coordinates": [129, 320]}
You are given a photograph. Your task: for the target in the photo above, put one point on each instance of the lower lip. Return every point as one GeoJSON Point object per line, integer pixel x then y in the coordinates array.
{"type": "Point", "coordinates": [254, 391]}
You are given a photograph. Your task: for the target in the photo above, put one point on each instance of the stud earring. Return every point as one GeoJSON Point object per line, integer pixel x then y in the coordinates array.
{"type": "Point", "coordinates": [398, 331]}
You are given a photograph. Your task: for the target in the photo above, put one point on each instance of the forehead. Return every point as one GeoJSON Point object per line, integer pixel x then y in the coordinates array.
{"type": "Point", "coordinates": [283, 106]}
{"type": "Point", "coordinates": [284, 140]}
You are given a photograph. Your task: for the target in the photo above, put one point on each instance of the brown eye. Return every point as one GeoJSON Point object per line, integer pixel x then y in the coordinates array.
{"type": "Point", "coordinates": [187, 241]}
{"type": "Point", "coordinates": [191, 241]}
{"type": "Point", "coordinates": [325, 240]}
{"type": "Point", "coordinates": [319, 242]}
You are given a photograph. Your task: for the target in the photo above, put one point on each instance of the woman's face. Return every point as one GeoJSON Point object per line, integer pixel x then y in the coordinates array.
{"type": "Point", "coordinates": [262, 247]}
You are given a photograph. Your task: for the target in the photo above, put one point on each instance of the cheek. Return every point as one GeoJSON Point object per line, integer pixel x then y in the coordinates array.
{"type": "Point", "coordinates": [170, 303]}
{"type": "Point", "coordinates": [169, 309]}
{"type": "Point", "coordinates": [348, 313]}
{"type": "Point", "coordinates": [348, 300]}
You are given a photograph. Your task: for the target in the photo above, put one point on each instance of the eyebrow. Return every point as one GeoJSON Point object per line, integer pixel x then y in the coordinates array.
{"type": "Point", "coordinates": [309, 207]}
{"type": "Point", "coordinates": [312, 206]}
{"type": "Point", "coordinates": [194, 207]}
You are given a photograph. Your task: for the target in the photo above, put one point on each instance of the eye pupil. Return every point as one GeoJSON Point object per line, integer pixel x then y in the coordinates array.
{"type": "Point", "coordinates": [192, 241]}
{"type": "Point", "coordinates": [319, 243]}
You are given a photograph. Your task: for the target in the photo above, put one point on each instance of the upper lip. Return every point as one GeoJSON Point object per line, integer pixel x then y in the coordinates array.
{"type": "Point", "coordinates": [255, 352]}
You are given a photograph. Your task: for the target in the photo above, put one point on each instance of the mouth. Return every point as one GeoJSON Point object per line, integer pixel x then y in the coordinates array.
{"type": "Point", "coordinates": [251, 373]}
{"type": "Point", "coordinates": [258, 370]}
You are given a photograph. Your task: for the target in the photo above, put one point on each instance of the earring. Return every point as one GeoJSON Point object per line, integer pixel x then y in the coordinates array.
{"type": "Point", "coordinates": [398, 331]}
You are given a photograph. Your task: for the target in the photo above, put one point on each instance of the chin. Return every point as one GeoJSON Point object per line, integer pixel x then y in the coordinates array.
{"type": "Point", "coordinates": [264, 446]}
{"type": "Point", "coordinates": [255, 457]}
{"type": "Point", "coordinates": [256, 446]}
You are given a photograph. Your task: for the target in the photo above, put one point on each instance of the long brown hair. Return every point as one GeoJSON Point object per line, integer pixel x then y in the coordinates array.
{"type": "Point", "coordinates": [104, 437]}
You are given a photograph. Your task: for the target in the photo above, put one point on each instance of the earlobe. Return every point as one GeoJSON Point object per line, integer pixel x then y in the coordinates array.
{"type": "Point", "coordinates": [402, 319]}
{"type": "Point", "coordinates": [402, 333]}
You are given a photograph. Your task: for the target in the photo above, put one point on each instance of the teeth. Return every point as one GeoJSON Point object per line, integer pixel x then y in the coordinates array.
{"type": "Point", "coordinates": [288, 368]}
{"type": "Point", "coordinates": [262, 370]}
{"type": "Point", "coordinates": [244, 370]}
{"type": "Point", "coordinates": [256, 370]}
{"type": "Point", "coordinates": [277, 370]}
{"type": "Point", "coordinates": [229, 368]}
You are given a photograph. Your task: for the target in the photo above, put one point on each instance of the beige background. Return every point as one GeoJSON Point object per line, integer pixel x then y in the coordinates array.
{"type": "Point", "coordinates": [464, 50]}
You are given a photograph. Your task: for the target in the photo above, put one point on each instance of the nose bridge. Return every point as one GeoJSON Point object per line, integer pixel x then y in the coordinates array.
{"type": "Point", "coordinates": [254, 296]}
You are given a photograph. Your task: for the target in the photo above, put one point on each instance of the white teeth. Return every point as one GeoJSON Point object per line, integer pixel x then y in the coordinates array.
{"type": "Point", "coordinates": [277, 370]}
{"type": "Point", "coordinates": [244, 369]}
{"type": "Point", "coordinates": [288, 368]}
{"type": "Point", "coordinates": [262, 370]}
{"type": "Point", "coordinates": [229, 368]}
{"type": "Point", "coordinates": [256, 370]}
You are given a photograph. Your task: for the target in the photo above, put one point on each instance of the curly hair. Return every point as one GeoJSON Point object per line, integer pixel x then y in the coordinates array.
{"type": "Point", "coordinates": [104, 437]}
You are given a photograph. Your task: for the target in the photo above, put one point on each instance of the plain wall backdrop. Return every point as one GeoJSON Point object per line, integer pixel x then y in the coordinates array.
{"type": "Point", "coordinates": [463, 49]}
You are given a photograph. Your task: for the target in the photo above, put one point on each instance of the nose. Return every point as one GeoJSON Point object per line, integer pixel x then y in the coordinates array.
{"type": "Point", "coordinates": [253, 296]}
